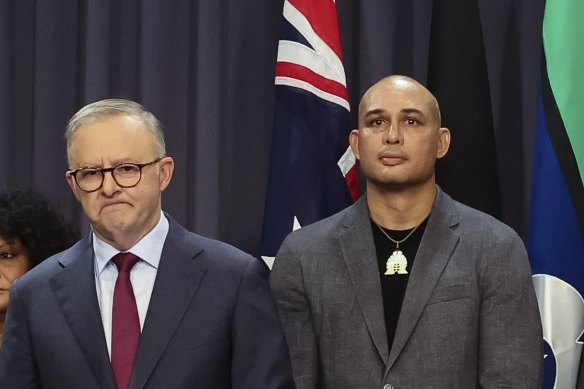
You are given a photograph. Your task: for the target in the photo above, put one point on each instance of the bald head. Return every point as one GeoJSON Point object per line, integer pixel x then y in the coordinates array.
{"type": "Point", "coordinates": [404, 87]}
{"type": "Point", "coordinates": [399, 137]}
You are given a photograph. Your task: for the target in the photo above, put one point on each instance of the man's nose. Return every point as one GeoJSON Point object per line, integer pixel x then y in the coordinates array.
{"type": "Point", "coordinates": [392, 135]}
{"type": "Point", "coordinates": [109, 184]}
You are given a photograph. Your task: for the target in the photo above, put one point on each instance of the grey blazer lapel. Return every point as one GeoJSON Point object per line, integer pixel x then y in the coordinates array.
{"type": "Point", "coordinates": [436, 247]}
{"type": "Point", "coordinates": [356, 241]}
{"type": "Point", "coordinates": [74, 288]}
{"type": "Point", "coordinates": [177, 281]}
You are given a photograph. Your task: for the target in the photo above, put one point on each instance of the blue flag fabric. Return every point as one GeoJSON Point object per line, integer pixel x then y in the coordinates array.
{"type": "Point", "coordinates": [556, 228]}
{"type": "Point", "coordinates": [312, 174]}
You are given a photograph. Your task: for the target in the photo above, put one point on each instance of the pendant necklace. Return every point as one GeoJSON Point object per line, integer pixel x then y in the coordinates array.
{"type": "Point", "coordinates": [397, 261]}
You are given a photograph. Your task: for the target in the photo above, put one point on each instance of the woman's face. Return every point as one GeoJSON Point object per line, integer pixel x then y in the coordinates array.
{"type": "Point", "coordinates": [14, 262]}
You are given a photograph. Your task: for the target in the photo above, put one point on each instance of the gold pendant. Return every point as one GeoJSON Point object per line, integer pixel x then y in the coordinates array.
{"type": "Point", "coordinates": [396, 263]}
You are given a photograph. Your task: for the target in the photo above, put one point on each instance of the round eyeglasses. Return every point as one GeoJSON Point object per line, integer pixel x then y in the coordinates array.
{"type": "Point", "coordinates": [126, 175]}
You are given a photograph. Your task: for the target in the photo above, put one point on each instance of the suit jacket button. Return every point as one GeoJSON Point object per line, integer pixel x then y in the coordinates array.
{"type": "Point", "coordinates": [388, 386]}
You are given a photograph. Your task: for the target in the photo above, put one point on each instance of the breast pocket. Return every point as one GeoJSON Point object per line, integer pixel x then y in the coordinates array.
{"type": "Point", "coordinates": [450, 293]}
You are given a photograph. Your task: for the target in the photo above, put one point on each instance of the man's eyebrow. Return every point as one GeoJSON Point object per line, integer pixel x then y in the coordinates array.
{"type": "Point", "coordinates": [375, 111]}
{"type": "Point", "coordinates": [378, 111]}
{"type": "Point", "coordinates": [412, 110]}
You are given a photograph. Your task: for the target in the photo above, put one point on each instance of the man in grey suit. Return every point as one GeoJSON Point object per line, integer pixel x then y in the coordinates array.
{"type": "Point", "coordinates": [182, 311]}
{"type": "Point", "coordinates": [407, 288]}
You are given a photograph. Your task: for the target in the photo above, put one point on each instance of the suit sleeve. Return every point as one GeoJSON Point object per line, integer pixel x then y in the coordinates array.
{"type": "Point", "coordinates": [17, 363]}
{"type": "Point", "coordinates": [260, 355]}
{"type": "Point", "coordinates": [288, 288]}
{"type": "Point", "coordinates": [510, 348]}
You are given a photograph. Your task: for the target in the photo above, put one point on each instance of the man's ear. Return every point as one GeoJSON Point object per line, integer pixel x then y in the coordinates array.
{"type": "Point", "coordinates": [354, 142]}
{"type": "Point", "coordinates": [71, 181]}
{"type": "Point", "coordinates": [443, 142]}
{"type": "Point", "coordinates": [166, 170]}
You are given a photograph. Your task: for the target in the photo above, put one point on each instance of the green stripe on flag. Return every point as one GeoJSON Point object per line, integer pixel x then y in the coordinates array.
{"type": "Point", "coordinates": [563, 32]}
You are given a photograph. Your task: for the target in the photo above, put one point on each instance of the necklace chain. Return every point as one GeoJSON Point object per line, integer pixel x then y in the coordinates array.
{"type": "Point", "coordinates": [397, 242]}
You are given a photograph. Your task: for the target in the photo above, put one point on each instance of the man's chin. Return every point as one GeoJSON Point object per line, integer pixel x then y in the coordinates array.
{"type": "Point", "coordinates": [111, 224]}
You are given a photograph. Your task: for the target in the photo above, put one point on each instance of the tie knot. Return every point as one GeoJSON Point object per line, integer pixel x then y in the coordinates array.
{"type": "Point", "coordinates": [125, 261]}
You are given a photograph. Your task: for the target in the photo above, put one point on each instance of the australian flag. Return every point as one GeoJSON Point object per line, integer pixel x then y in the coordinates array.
{"type": "Point", "coordinates": [313, 173]}
{"type": "Point", "coordinates": [556, 233]}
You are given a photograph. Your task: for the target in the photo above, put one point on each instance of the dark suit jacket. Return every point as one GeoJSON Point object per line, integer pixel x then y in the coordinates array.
{"type": "Point", "coordinates": [211, 323]}
{"type": "Point", "coordinates": [469, 318]}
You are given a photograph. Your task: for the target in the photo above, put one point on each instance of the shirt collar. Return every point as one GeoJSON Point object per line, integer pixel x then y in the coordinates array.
{"type": "Point", "coordinates": [149, 248]}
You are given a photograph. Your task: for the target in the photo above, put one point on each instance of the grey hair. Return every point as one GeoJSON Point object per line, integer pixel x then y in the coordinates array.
{"type": "Point", "coordinates": [104, 109]}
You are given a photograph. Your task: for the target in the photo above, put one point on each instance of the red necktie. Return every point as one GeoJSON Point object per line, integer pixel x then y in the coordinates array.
{"type": "Point", "coordinates": [125, 321]}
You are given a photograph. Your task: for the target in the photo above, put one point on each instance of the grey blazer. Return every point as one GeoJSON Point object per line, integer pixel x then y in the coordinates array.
{"type": "Point", "coordinates": [469, 318]}
{"type": "Point", "coordinates": [211, 323]}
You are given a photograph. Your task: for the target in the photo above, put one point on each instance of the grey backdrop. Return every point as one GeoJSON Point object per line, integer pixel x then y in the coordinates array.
{"type": "Point", "coordinates": [206, 69]}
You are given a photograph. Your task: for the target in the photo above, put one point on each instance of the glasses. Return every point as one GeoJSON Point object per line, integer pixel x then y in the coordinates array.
{"type": "Point", "coordinates": [126, 175]}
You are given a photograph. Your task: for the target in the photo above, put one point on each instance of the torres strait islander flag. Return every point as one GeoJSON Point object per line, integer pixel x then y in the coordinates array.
{"type": "Point", "coordinates": [556, 227]}
{"type": "Point", "coordinates": [313, 173]}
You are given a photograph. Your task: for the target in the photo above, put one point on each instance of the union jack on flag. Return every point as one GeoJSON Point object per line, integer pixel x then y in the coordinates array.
{"type": "Point", "coordinates": [313, 173]}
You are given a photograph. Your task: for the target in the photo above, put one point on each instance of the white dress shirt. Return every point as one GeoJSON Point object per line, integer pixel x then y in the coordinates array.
{"type": "Point", "coordinates": [142, 275]}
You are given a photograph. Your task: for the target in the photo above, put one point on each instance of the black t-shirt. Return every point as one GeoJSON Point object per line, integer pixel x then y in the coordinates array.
{"type": "Point", "coordinates": [393, 287]}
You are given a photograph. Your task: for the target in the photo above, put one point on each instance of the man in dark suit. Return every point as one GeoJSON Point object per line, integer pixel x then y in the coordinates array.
{"type": "Point", "coordinates": [182, 311]}
{"type": "Point", "coordinates": [407, 288]}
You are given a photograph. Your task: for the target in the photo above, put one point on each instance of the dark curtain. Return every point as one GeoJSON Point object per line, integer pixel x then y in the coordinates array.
{"type": "Point", "coordinates": [206, 69]}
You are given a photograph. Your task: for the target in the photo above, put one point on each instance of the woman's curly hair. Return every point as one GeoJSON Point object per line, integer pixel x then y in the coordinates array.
{"type": "Point", "coordinates": [36, 222]}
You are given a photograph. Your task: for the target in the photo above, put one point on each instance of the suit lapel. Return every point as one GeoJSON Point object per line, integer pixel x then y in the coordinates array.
{"type": "Point", "coordinates": [177, 280]}
{"type": "Point", "coordinates": [356, 241]}
{"type": "Point", "coordinates": [435, 250]}
{"type": "Point", "coordinates": [74, 288]}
